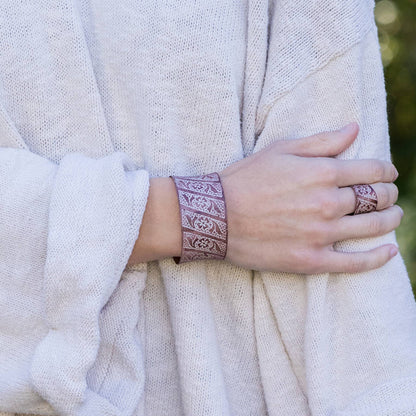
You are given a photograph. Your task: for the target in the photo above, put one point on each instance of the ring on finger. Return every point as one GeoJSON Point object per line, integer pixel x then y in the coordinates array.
{"type": "Point", "coordinates": [365, 198]}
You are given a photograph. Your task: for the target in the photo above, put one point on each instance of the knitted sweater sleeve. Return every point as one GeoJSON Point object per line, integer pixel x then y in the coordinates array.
{"type": "Point", "coordinates": [67, 230]}
{"type": "Point", "coordinates": [349, 339]}
{"type": "Point", "coordinates": [71, 206]}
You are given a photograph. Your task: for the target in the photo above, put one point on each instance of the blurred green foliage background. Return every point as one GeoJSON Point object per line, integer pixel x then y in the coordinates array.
{"type": "Point", "coordinates": [396, 22]}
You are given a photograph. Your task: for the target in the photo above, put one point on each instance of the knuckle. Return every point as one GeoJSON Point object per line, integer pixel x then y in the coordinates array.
{"type": "Point", "coordinates": [317, 233]}
{"type": "Point", "coordinates": [314, 205]}
{"type": "Point", "coordinates": [383, 195]}
{"type": "Point", "coordinates": [313, 263]}
{"type": "Point", "coordinates": [324, 171]}
{"type": "Point", "coordinates": [307, 261]}
{"type": "Point", "coordinates": [327, 170]}
{"type": "Point", "coordinates": [356, 264]}
{"type": "Point", "coordinates": [377, 170]}
{"type": "Point", "coordinates": [329, 206]}
{"type": "Point", "coordinates": [374, 225]}
{"type": "Point", "coordinates": [323, 139]}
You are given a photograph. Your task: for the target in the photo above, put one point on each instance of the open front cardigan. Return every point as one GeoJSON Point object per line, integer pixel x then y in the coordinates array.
{"type": "Point", "coordinates": [96, 96]}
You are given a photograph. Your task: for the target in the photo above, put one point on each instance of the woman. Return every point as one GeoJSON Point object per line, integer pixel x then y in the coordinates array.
{"type": "Point", "coordinates": [311, 313]}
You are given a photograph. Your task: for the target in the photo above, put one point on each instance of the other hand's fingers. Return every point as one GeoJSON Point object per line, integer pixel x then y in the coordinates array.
{"type": "Point", "coordinates": [371, 224]}
{"type": "Point", "coordinates": [387, 194]}
{"type": "Point", "coordinates": [338, 262]}
{"type": "Point", "coordinates": [366, 171]}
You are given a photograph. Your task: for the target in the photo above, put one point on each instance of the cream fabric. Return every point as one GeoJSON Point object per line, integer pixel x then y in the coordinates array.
{"type": "Point", "coordinates": [97, 96]}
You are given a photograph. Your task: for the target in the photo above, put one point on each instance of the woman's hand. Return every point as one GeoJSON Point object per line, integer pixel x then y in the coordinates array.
{"type": "Point", "coordinates": [289, 203]}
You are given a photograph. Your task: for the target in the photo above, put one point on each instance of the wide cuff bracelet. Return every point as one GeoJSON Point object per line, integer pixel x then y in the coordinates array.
{"type": "Point", "coordinates": [203, 217]}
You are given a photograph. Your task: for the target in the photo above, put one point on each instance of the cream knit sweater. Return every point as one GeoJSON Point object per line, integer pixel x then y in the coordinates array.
{"type": "Point", "coordinates": [98, 95]}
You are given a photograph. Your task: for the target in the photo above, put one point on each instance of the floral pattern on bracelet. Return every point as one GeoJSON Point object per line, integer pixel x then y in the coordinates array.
{"type": "Point", "coordinates": [203, 217]}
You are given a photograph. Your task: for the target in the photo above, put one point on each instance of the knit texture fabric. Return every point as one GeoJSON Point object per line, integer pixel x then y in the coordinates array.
{"type": "Point", "coordinates": [97, 96]}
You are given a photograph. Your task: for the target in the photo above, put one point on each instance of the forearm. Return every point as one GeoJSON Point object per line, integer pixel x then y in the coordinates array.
{"type": "Point", "coordinates": [160, 232]}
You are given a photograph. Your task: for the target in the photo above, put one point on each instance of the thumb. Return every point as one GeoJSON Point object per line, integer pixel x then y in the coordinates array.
{"type": "Point", "coordinates": [322, 144]}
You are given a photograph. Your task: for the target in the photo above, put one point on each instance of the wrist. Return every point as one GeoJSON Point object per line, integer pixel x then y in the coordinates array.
{"type": "Point", "coordinates": [160, 232]}
{"type": "Point", "coordinates": [166, 238]}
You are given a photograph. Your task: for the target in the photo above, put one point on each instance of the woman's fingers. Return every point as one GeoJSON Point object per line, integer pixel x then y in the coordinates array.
{"type": "Point", "coordinates": [338, 262]}
{"type": "Point", "coordinates": [363, 171]}
{"type": "Point", "coordinates": [322, 144]}
{"type": "Point", "coordinates": [387, 194]}
{"type": "Point", "coordinates": [370, 224]}
{"type": "Point", "coordinates": [305, 199]}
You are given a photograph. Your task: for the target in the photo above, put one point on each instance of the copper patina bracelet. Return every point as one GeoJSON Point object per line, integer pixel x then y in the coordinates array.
{"type": "Point", "coordinates": [203, 217]}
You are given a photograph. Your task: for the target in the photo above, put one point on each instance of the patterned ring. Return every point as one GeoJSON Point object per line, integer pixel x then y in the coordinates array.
{"type": "Point", "coordinates": [365, 198]}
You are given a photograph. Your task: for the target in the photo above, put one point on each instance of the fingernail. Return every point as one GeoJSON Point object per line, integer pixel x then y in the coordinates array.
{"type": "Point", "coordinates": [349, 128]}
{"type": "Point", "coordinates": [396, 173]}
{"type": "Point", "coordinates": [401, 210]}
{"type": "Point", "coordinates": [393, 251]}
